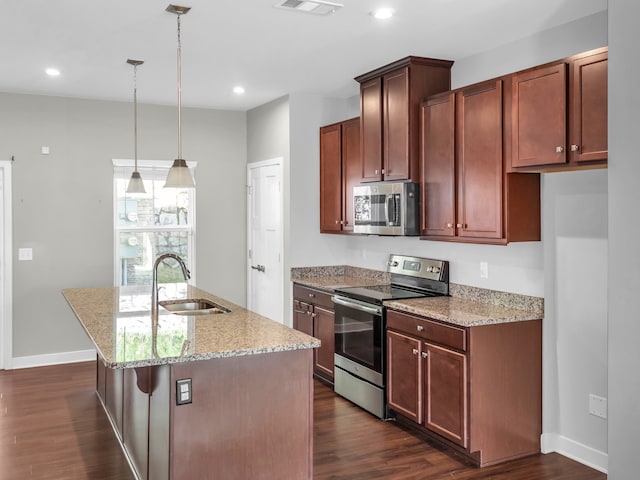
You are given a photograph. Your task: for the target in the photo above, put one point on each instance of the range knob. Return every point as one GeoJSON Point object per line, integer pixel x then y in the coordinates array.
{"type": "Point", "coordinates": [435, 269]}
{"type": "Point", "coordinates": [392, 263]}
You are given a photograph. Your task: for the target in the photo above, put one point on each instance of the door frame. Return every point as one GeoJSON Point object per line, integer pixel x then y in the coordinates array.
{"type": "Point", "coordinates": [6, 269]}
{"type": "Point", "coordinates": [276, 161]}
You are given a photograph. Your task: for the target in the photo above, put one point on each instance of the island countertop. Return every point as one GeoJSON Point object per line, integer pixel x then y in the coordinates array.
{"type": "Point", "coordinates": [118, 321]}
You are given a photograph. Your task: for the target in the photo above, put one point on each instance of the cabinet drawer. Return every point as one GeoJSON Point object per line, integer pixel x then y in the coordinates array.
{"type": "Point", "coordinates": [454, 337]}
{"type": "Point", "coordinates": [311, 295]}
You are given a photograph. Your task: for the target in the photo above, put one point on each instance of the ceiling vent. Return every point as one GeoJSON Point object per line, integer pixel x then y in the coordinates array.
{"type": "Point", "coordinates": [316, 7]}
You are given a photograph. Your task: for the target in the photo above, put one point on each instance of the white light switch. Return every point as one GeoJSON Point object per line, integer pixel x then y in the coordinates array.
{"type": "Point", "coordinates": [45, 150]}
{"type": "Point", "coordinates": [25, 254]}
{"type": "Point", "coordinates": [597, 406]}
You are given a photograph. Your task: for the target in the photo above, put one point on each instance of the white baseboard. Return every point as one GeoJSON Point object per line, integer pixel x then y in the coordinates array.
{"type": "Point", "coordinates": [552, 442]}
{"type": "Point", "coordinates": [52, 359]}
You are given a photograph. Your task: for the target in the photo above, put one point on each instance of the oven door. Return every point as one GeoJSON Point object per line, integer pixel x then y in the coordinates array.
{"type": "Point", "coordinates": [359, 336]}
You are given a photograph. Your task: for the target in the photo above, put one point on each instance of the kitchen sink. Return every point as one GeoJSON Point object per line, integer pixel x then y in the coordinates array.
{"type": "Point", "coordinates": [192, 306]}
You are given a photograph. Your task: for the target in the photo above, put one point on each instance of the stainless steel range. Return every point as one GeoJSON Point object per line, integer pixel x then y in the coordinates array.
{"type": "Point", "coordinates": [360, 324]}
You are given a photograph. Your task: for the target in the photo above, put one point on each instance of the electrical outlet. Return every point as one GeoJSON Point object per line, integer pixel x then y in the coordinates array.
{"type": "Point", "coordinates": [597, 406]}
{"type": "Point", "coordinates": [184, 393]}
{"type": "Point", "coordinates": [484, 270]}
{"type": "Point", "coordinates": [25, 254]}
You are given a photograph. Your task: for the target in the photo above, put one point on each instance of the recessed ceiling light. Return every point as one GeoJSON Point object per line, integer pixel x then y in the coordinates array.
{"type": "Point", "coordinates": [52, 72]}
{"type": "Point", "coordinates": [238, 90]}
{"type": "Point", "coordinates": [383, 13]}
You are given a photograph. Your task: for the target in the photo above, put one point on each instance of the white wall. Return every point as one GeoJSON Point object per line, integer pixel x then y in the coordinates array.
{"type": "Point", "coordinates": [624, 232]}
{"type": "Point", "coordinates": [63, 206]}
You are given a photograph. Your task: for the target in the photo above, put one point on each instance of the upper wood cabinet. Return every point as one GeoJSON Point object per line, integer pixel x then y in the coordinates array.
{"type": "Point", "coordinates": [390, 99]}
{"type": "Point", "coordinates": [339, 172]}
{"type": "Point", "coordinates": [467, 194]}
{"type": "Point", "coordinates": [559, 114]}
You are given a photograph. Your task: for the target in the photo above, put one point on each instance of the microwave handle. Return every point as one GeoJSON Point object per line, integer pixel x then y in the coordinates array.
{"type": "Point", "coordinates": [387, 213]}
{"type": "Point", "coordinates": [392, 210]}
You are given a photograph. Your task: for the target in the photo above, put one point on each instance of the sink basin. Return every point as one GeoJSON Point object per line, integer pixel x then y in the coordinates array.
{"type": "Point", "coordinates": [192, 306]}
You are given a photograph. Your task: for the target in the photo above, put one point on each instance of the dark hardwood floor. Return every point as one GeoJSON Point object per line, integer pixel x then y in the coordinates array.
{"type": "Point", "coordinates": [52, 427]}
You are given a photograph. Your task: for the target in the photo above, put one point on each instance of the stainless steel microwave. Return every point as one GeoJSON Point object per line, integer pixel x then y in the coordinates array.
{"type": "Point", "coordinates": [387, 208]}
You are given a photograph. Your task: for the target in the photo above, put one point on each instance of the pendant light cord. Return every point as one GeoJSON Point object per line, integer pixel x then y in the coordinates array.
{"type": "Point", "coordinates": [135, 117]}
{"type": "Point", "coordinates": [179, 93]}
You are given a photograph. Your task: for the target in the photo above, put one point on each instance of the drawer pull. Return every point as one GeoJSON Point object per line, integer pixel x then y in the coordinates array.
{"type": "Point", "coordinates": [420, 328]}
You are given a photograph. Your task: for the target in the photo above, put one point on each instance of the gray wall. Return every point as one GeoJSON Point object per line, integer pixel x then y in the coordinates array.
{"type": "Point", "coordinates": [624, 231]}
{"type": "Point", "coordinates": [63, 202]}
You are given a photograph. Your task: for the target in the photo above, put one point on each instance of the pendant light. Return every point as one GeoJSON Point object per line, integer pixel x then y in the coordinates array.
{"type": "Point", "coordinates": [135, 183]}
{"type": "Point", "coordinates": [179, 175]}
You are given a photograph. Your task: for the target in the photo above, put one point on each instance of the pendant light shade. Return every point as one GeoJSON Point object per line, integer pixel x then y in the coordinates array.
{"type": "Point", "coordinates": [179, 175]}
{"type": "Point", "coordinates": [135, 183]}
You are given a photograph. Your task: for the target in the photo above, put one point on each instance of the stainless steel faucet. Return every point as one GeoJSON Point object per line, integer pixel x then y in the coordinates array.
{"type": "Point", "coordinates": [154, 282]}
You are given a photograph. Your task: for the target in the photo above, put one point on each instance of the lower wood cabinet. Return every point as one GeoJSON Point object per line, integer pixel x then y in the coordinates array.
{"type": "Point", "coordinates": [476, 389]}
{"type": "Point", "coordinates": [313, 314]}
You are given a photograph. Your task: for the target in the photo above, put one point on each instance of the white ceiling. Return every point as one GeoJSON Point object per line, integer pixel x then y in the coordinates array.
{"type": "Point", "coordinates": [271, 52]}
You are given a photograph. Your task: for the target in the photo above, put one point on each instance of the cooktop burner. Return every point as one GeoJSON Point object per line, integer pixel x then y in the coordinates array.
{"type": "Point", "coordinates": [379, 293]}
{"type": "Point", "coordinates": [411, 277]}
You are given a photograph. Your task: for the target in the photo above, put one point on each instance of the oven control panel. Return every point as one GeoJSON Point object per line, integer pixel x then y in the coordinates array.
{"type": "Point", "coordinates": [418, 267]}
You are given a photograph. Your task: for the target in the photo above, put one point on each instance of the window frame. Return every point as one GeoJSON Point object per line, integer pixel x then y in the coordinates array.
{"type": "Point", "coordinates": [190, 229]}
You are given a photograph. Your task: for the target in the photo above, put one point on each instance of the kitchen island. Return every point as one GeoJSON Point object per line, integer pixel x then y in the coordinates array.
{"type": "Point", "coordinates": [200, 396]}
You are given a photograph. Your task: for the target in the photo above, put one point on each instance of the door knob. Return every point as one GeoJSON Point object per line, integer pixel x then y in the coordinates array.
{"type": "Point", "coordinates": [260, 268]}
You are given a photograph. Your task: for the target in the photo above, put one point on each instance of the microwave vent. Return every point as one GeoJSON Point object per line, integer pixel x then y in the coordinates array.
{"type": "Point", "coordinates": [316, 7]}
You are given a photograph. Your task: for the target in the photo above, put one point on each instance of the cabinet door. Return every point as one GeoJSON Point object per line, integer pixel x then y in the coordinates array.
{"type": "Point", "coordinates": [445, 380]}
{"type": "Point", "coordinates": [396, 125]}
{"type": "Point", "coordinates": [589, 109]}
{"type": "Point", "coordinates": [479, 157]}
{"type": "Point", "coordinates": [351, 165]}
{"type": "Point", "coordinates": [371, 130]}
{"type": "Point", "coordinates": [330, 179]}
{"type": "Point", "coordinates": [302, 319]}
{"type": "Point", "coordinates": [540, 117]}
{"type": "Point", "coordinates": [438, 166]}
{"type": "Point", "coordinates": [404, 375]}
{"type": "Point", "coordinates": [324, 330]}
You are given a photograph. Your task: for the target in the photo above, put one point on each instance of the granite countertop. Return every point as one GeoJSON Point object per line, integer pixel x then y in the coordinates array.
{"type": "Point", "coordinates": [118, 321]}
{"type": "Point", "coordinates": [462, 311]}
{"type": "Point", "coordinates": [467, 306]}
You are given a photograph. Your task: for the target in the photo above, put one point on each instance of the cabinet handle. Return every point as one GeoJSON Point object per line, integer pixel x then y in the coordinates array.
{"type": "Point", "coordinates": [313, 315]}
{"type": "Point", "coordinates": [420, 328]}
{"type": "Point", "coordinates": [312, 295]}
{"type": "Point", "coordinates": [449, 225]}
{"type": "Point", "coordinates": [559, 149]}
{"type": "Point", "coordinates": [575, 148]}
{"type": "Point", "coordinates": [375, 172]}
{"type": "Point", "coordinates": [383, 172]}
{"type": "Point", "coordinates": [415, 351]}
{"type": "Point", "coordinates": [461, 225]}
{"type": "Point", "coordinates": [337, 222]}
{"type": "Point", "coordinates": [424, 354]}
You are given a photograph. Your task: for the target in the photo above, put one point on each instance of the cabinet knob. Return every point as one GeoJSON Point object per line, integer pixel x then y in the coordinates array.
{"type": "Point", "coordinates": [424, 354]}
{"type": "Point", "coordinates": [415, 351]}
{"type": "Point", "coordinates": [312, 295]}
{"type": "Point", "coordinates": [461, 225]}
{"type": "Point", "coordinates": [375, 171]}
{"type": "Point", "coordinates": [420, 328]}
{"type": "Point", "coordinates": [559, 149]}
{"type": "Point", "coordinates": [383, 171]}
{"type": "Point", "coordinates": [575, 148]}
{"type": "Point", "coordinates": [449, 225]}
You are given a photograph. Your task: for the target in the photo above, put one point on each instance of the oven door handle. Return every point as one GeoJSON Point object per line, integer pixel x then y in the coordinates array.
{"type": "Point", "coordinates": [357, 306]}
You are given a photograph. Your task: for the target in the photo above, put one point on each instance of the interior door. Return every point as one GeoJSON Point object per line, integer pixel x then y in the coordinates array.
{"type": "Point", "coordinates": [264, 230]}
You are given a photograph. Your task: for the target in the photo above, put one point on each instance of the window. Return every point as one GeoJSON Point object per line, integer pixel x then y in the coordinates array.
{"type": "Point", "coordinates": [162, 220]}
